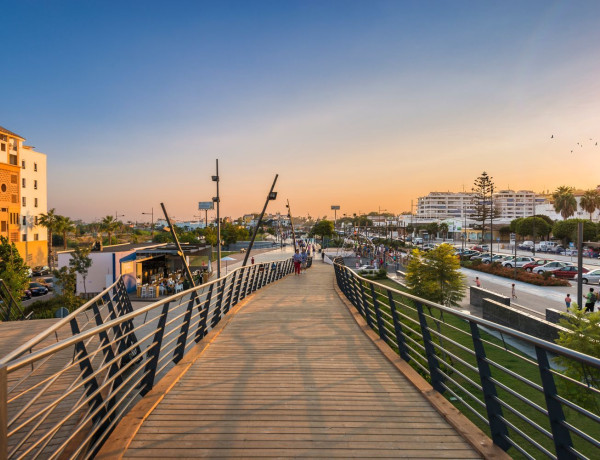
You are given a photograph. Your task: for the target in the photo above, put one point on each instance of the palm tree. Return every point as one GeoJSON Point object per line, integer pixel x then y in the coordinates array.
{"type": "Point", "coordinates": [564, 201]}
{"type": "Point", "coordinates": [590, 201]}
{"type": "Point", "coordinates": [49, 220]}
{"type": "Point", "coordinates": [65, 225]}
{"type": "Point", "coordinates": [109, 225]}
{"type": "Point", "coordinates": [444, 229]}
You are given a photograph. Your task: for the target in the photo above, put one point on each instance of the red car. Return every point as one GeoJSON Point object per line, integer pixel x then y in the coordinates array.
{"type": "Point", "coordinates": [538, 263]}
{"type": "Point", "coordinates": [570, 272]}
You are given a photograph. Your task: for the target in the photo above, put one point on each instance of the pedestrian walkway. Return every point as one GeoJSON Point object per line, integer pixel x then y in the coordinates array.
{"type": "Point", "coordinates": [292, 375]}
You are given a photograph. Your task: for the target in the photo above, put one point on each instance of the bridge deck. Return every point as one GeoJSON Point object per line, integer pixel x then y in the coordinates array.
{"type": "Point", "coordinates": [292, 375]}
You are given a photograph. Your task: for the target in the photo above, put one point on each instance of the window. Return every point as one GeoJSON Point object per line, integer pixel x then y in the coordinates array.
{"type": "Point", "coordinates": [3, 226]}
{"type": "Point", "coordinates": [36, 237]}
{"type": "Point", "coordinates": [14, 199]}
{"type": "Point", "coordinates": [3, 187]}
{"type": "Point", "coordinates": [24, 237]}
{"type": "Point", "coordinates": [24, 221]}
{"type": "Point", "coordinates": [24, 201]}
{"type": "Point", "coordinates": [35, 166]}
{"type": "Point", "coordinates": [14, 179]}
{"type": "Point", "coordinates": [35, 202]}
{"type": "Point", "coordinates": [23, 164]}
{"type": "Point", "coordinates": [23, 182]}
{"type": "Point", "coordinates": [35, 185]}
{"type": "Point", "coordinates": [36, 220]}
{"type": "Point", "coordinates": [13, 159]}
{"type": "Point", "coordinates": [3, 147]}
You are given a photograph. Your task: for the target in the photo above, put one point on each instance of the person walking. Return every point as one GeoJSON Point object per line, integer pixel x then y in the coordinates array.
{"type": "Point", "coordinates": [252, 260]}
{"type": "Point", "coordinates": [514, 292]}
{"type": "Point", "coordinates": [568, 301]}
{"type": "Point", "coordinates": [297, 262]}
{"type": "Point", "coordinates": [477, 282]}
{"type": "Point", "coordinates": [304, 259]}
{"type": "Point", "coordinates": [590, 300]}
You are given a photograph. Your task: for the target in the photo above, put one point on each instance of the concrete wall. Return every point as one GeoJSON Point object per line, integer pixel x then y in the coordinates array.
{"type": "Point", "coordinates": [507, 316]}
{"type": "Point", "coordinates": [553, 316]}
{"type": "Point", "coordinates": [476, 296]}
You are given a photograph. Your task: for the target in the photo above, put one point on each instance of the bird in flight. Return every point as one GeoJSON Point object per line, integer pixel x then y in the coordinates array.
{"type": "Point", "coordinates": [552, 137]}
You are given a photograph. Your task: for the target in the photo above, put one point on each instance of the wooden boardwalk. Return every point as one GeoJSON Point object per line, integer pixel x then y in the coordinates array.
{"type": "Point", "coordinates": [293, 375]}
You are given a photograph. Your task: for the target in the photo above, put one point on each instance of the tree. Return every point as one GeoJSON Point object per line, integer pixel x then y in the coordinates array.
{"type": "Point", "coordinates": [566, 230]}
{"type": "Point", "coordinates": [590, 201]}
{"type": "Point", "coordinates": [49, 220]}
{"type": "Point", "coordinates": [432, 229]}
{"type": "Point", "coordinates": [66, 279]}
{"type": "Point", "coordinates": [583, 336]}
{"type": "Point", "coordinates": [81, 262]}
{"type": "Point", "coordinates": [436, 276]}
{"type": "Point", "coordinates": [109, 225]}
{"type": "Point", "coordinates": [483, 188]}
{"type": "Point", "coordinates": [564, 201]}
{"type": "Point", "coordinates": [64, 225]}
{"type": "Point", "coordinates": [526, 226]}
{"type": "Point", "coordinates": [443, 228]}
{"type": "Point", "coordinates": [322, 228]}
{"type": "Point", "coordinates": [362, 221]}
{"type": "Point", "coordinates": [12, 269]}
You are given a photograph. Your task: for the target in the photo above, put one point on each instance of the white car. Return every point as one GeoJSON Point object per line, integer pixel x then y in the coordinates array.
{"type": "Point", "coordinates": [550, 266]}
{"type": "Point", "coordinates": [591, 277]}
{"type": "Point", "coordinates": [519, 262]}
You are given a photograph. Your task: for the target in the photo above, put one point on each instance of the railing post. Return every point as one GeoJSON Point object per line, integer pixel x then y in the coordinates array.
{"type": "Point", "coordinates": [355, 293]}
{"type": "Point", "coordinates": [238, 288]}
{"type": "Point", "coordinates": [3, 413]}
{"type": "Point", "coordinates": [152, 359]}
{"type": "Point", "coordinates": [123, 341]}
{"type": "Point", "coordinates": [230, 292]}
{"type": "Point", "coordinates": [346, 275]}
{"type": "Point", "coordinates": [87, 370]}
{"type": "Point", "coordinates": [201, 331]}
{"type": "Point", "coordinates": [402, 348]}
{"type": "Point", "coordinates": [107, 349]}
{"type": "Point", "coordinates": [560, 433]}
{"type": "Point", "coordinates": [251, 275]}
{"type": "Point", "coordinates": [498, 428]}
{"type": "Point", "coordinates": [380, 325]}
{"type": "Point", "coordinates": [217, 312]}
{"type": "Point", "coordinates": [184, 330]}
{"type": "Point", "coordinates": [434, 368]}
{"type": "Point", "coordinates": [365, 305]}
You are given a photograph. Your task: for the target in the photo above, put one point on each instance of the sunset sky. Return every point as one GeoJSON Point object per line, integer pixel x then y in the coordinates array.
{"type": "Point", "coordinates": [363, 104]}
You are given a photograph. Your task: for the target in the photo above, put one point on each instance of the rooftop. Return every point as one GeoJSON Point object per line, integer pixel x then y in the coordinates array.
{"type": "Point", "coordinates": [10, 133]}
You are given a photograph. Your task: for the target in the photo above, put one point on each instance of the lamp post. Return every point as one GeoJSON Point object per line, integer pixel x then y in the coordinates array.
{"type": "Point", "coordinates": [271, 196]}
{"type": "Point", "coordinates": [151, 213]}
{"type": "Point", "coordinates": [335, 209]}
{"type": "Point", "coordinates": [217, 200]}
{"type": "Point", "coordinates": [118, 215]}
{"type": "Point", "coordinates": [291, 223]}
{"type": "Point", "coordinates": [533, 225]}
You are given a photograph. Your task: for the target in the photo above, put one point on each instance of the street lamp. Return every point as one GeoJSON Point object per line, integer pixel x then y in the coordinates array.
{"type": "Point", "coordinates": [335, 209]}
{"type": "Point", "coordinates": [118, 215]}
{"type": "Point", "coordinates": [217, 200]}
{"type": "Point", "coordinates": [151, 213]}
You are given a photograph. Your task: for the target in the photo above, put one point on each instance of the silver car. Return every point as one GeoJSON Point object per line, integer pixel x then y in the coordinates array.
{"type": "Point", "coordinates": [591, 277]}
{"type": "Point", "coordinates": [550, 266]}
{"type": "Point", "coordinates": [520, 262]}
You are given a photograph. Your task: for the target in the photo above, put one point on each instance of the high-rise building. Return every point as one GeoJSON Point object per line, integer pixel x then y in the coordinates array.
{"type": "Point", "coordinates": [446, 205]}
{"type": "Point", "coordinates": [23, 197]}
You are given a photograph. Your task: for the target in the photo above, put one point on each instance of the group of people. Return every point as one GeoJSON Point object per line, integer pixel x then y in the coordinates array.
{"type": "Point", "coordinates": [590, 300]}
{"type": "Point", "coordinates": [300, 260]}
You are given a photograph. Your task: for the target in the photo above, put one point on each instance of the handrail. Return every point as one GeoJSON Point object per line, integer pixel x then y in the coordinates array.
{"type": "Point", "coordinates": [112, 355]}
{"type": "Point", "coordinates": [525, 403]}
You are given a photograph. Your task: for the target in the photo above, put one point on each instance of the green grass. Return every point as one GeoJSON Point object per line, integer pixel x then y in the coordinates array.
{"type": "Point", "coordinates": [458, 330]}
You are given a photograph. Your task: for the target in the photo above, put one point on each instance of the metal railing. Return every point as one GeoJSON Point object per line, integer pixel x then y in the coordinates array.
{"type": "Point", "coordinates": [10, 310]}
{"type": "Point", "coordinates": [63, 392]}
{"type": "Point", "coordinates": [534, 399]}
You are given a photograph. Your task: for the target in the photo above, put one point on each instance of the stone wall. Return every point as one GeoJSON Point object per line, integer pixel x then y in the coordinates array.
{"type": "Point", "coordinates": [476, 296]}
{"type": "Point", "coordinates": [500, 313]}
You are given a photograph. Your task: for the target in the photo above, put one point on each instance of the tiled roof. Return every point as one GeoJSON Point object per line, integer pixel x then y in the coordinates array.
{"type": "Point", "coordinates": [10, 133]}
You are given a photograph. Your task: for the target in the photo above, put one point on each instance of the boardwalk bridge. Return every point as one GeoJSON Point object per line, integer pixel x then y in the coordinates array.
{"type": "Point", "coordinates": [263, 363]}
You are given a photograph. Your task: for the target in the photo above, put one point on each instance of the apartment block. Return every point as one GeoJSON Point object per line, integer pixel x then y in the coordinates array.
{"type": "Point", "coordinates": [445, 205]}
{"type": "Point", "coordinates": [23, 197]}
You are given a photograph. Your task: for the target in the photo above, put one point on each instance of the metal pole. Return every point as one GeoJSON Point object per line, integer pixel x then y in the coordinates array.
{"type": "Point", "coordinates": [216, 179]}
{"type": "Point", "coordinates": [179, 250]}
{"type": "Point", "coordinates": [269, 195]}
{"type": "Point", "coordinates": [533, 223]}
{"type": "Point", "coordinates": [580, 264]}
{"type": "Point", "coordinates": [291, 223]}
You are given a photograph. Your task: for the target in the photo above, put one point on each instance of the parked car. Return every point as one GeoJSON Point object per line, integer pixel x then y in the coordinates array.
{"type": "Point", "coordinates": [497, 258]}
{"type": "Point", "coordinates": [469, 253]}
{"type": "Point", "coordinates": [557, 250]}
{"type": "Point", "coordinates": [47, 281]}
{"type": "Point", "coordinates": [519, 262]}
{"type": "Point", "coordinates": [418, 240]}
{"type": "Point", "coordinates": [536, 263]}
{"type": "Point", "coordinates": [26, 295]}
{"type": "Point", "coordinates": [40, 271]}
{"type": "Point", "coordinates": [481, 247]}
{"type": "Point", "coordinates": [428, 247]}
{"type": "Point", "coordinates": [555, 265]}
{"type": "Point", "coordinates": [528, 245]}
{"type": "Point", "coordinates": [38, 289]}
{"type": "Point", "coordinates": [569, 272]}
{"type": "Point", "coordinates": [591, 277]}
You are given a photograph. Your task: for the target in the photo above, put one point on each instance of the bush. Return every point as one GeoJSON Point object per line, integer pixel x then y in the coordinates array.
{"type": "Point", "coordinates": [46, 308]}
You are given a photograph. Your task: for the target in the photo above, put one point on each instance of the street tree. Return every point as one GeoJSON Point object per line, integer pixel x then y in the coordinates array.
{"type": "Point", "coordinates": [81, 262]}
{"type": "Point", "coordinates": [527, 225]}
{"type": "Point", "coordinates": [322, 228]}
{"type": "Point", "coordinates": [64, 225]}
{"type": "Point", "coordinates": [443, 228]}
{"type": "Point", "coordinates": [436, 276]}
{"type": "Point", "coordinates": [484, 210]}
{"type": "Point", "coordinates": [590, 201]}
{"type": "Point", "coordinates": [564, 201]}
{"type": "Point", "coordinates": [66, 280]}
{"type": "Point", "coordinates": [109, 224]}
{"type": "Point", "coordinates": [12, 269]}
{"type": "Point", "coordinates": [49, 220]}
{"type": "Point", "coordinates": [566, 230]}
{"type": "Point", "coordinates": [432, 229]}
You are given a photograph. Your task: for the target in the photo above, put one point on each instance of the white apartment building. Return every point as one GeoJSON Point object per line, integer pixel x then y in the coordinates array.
{"type": "Point", "coordinates": [522, 203]}
{"type": "Point", "coordinates": [34, 194]}
{"type": "Point", "coordinates": [446, 205]}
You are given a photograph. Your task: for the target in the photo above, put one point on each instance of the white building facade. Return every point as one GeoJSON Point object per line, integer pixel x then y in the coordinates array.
{"type": "Point", "coordinates": [34, 194]}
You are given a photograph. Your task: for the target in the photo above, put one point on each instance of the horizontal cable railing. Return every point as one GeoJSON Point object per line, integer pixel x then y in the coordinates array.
{"type": "Point", "coordinates": [520, 395]}
{"type": "Point", "coordinates": [63, 391]}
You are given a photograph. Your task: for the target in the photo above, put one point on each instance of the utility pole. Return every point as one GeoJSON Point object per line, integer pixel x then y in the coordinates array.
{"type": "Point", "coordinates": [271, 196]}
{"type": "Point", "coordinates": [580, 264]}
{"type": "Point", "coordinates": [533, 225]}
{"type": "Point", "coordinates": [218, 200]}
{"type": "Point", "coordinates": [291, 223]}
{"type": "Point", "coordinates": [151, 213]}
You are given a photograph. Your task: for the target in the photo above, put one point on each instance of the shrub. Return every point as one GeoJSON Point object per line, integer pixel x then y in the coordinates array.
{"type": "Point", "coordinates": [531, 278]}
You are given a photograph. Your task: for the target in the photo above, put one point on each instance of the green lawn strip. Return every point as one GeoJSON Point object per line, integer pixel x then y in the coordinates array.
{"type": "Point", "coordinates": [458, 330]}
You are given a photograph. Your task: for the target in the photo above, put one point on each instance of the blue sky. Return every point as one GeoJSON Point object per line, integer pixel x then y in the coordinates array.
{"type": "Point", "coordinates": [357, 103]}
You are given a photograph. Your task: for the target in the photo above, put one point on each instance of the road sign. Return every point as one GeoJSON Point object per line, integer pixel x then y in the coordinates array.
{"type": "Point", "coordinates": [202, 205]}
{"type": "Point", "coordinates": [335, 208]}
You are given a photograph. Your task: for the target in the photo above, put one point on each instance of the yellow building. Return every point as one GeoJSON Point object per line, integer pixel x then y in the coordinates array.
{"type": "Point", "coordinates": [23, 197]}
